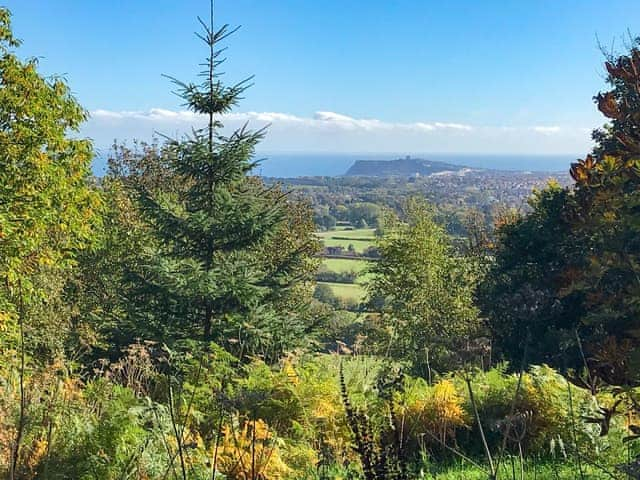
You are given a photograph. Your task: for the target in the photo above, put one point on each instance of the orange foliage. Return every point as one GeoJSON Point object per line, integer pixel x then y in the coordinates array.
{"type": "Point", "coordinates": [251, 452]}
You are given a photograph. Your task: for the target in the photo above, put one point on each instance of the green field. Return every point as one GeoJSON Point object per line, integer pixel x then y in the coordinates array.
{"type": "Point", "coordinates": [359, 238]}
{"type": "Point", "coordinates": [357, 265]}
{"type": "Point", "coordinates": [345, 264]}
{"type": "Point", "coordinates": [341, 227]}
{"type": "Point", "coordinates": [356, 234]}
{"type": "Point", "coordinates": [347, 291]}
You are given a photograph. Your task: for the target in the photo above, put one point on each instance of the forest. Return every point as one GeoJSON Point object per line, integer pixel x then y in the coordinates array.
{"type": "Point", "coordinates": [182, 318]}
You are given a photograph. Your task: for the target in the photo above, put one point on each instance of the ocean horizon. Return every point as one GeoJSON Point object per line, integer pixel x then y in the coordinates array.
{"type": "Point", "coordinates": [305, 164]}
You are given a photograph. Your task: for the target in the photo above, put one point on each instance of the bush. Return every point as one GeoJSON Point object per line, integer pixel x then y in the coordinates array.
{"type": "Point", "coordinates": [337, 277]}
{"type": "Point", "coordinates": [291, 415]}
{"type": "Point", "coordinates": [250, 450]}
{"type": "Point", "coordinates": [431, 415]}
{"type": "Point", "coordinates": [323, 293]}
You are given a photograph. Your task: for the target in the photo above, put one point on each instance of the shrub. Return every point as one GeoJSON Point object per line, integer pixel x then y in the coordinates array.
{"type": "Point", "coordinates": [337, 277]}
{"type": "Point", "coordinates": [102, 435]}
{"type": "Point", "coordinates": [250, 450]}
{"type": "Point", "coordinates": [431, 415]}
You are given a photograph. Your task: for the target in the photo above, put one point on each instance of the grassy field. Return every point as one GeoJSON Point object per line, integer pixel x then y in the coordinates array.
{"type": "Point", "coordinates": [510, 470]}
{"type": "Point", "coordinates": [348, 291]}
{"type": "Point", "coordinates": [342, 227]}
{"type": "Point", "coordinates": [367, 234]}
{"type": "Point", "coordinates": [343, 236]}
{"type": "Point", "coordinates": [345, 264]}
{"type": "Point", "coordinates": [359, 238]}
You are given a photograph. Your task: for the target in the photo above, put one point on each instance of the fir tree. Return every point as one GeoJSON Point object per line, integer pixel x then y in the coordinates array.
{"type": "Point", "coordinates": [211, 229]}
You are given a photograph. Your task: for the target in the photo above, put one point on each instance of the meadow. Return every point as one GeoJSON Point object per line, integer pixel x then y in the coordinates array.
{"type": "Point", "coordinates": [346, 265]}
{"type": "Point", "coordinates": [351, 292]}
{"type": "Point", "coordinates": [343, 236]}
{"type": "Point", "coordinates": [360, 238]}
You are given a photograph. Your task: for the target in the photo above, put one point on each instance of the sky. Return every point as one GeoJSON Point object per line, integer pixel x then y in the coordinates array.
{"type": "Point", "coordinates": [336, 76]}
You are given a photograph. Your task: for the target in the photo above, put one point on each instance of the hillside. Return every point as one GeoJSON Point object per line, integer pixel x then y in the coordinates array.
{"type": "Point", "coordinates": [401, 167]}
{"type": "Point", "coordinates": [187, 316]}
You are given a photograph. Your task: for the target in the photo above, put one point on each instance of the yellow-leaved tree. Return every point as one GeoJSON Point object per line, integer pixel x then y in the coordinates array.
{"type": "Point", "coordinates": [47, 205]}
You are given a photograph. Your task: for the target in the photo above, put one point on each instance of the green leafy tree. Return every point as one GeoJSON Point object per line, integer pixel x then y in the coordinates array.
{"type": "Point", "coordinates": [323, 293]}
{"type": "Point", "coordinates": [102, 285]}
{"type": "Point", "coordinates": [521, 295]}
{"type": "Point", "coordinates": [426, 290]}
{"type": "Point", "coordinates": [566, 274]}
{"type": "Point", "coordinates": [364, 214]}
{"type": "Point", "coordinates": [48, 214]}
{"type": "Point", "coordinates": [48, 208]}
{"type": "Point", "coordinates": [606, 219]}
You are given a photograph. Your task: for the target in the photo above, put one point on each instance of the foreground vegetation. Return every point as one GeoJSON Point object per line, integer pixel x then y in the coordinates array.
{"type": "Point", "coordinates": [165, 321]}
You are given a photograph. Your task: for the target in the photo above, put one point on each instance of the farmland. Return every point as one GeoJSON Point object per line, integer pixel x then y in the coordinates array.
{"type": "Point", "coordinates": [345, 264]}
{"type": "Point", "coordinates": [350, 292]}
{"type": "Point", "coordinates": [359, 240]}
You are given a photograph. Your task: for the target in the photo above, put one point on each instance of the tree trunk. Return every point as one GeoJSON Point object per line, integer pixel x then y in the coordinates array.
{"type": "Point", "coordinates": [208, 317]}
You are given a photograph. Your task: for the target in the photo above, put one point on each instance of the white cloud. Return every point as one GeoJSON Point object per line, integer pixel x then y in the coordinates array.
{"type": "Point", "coordinates": [153, 115]}
{"type": "Point", "coordinates": [333, 117]}
{"type": "Point", "coordinates": [455, 126]}
{"type": "Point", "coordinates": [319, 120]}
{"type": "Point", "coordinates": [335, 132]}
{"type": "Point", "coordinates": [546, 130]}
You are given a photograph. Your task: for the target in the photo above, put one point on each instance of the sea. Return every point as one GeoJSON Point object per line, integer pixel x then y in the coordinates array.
{"type": "Point", "coordinates": [308, 164]}
{"type": "Point", "coordinates": [290, 165]}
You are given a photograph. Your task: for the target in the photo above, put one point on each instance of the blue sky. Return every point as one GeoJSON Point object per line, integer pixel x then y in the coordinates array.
{"type": "Point", "coordinates": [509, 76]}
